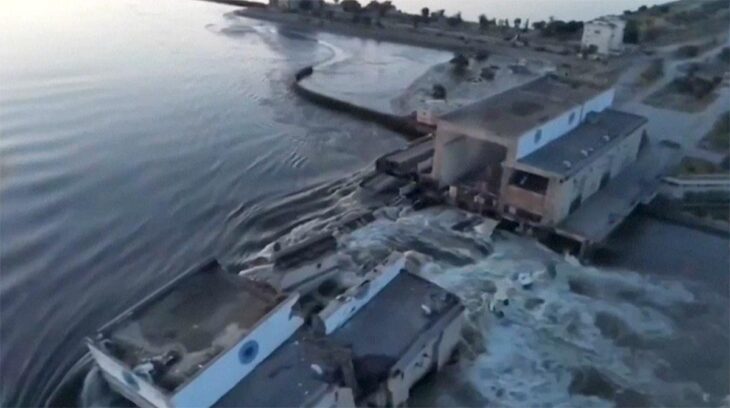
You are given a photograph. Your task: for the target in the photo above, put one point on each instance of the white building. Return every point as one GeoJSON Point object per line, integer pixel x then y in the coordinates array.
{"type": "Point", "coordinates": [535, 152]}
{"type": "Point", "coordinates": [606, 34]}
{"type": "Point", "coordinates": [211, 338]}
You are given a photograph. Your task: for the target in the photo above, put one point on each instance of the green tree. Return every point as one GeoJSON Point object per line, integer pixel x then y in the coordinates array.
{"type": "Point", "coordinates": [518, 22]}
{"type": "Point", "coordinates": [425, 12]}
{"type": "Point", "coordinates": [481, 55]}
{"type": "Point", "coordinates": [724, 55]}
{"type": "Point", "coordinates": [483, 22]}
{"type": "Point", "coordinates": [454, 20]}
{"type": "Point", "coordinates": [384, 8]}
{"type": "Point", "coordinates": [305, 5]}
{"type": "Point", "coordinates": [487, 74]}
{"type": "Point", "coordinates": [438, 91]}
{"type": "Point", "coordinates": [631, 32]}
{"type": "Point", "coordinates": [351, 6]}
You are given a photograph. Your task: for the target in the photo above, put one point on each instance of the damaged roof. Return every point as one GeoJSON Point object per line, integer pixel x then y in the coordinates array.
{"type": "Point", "coordinates": [197, 316]}
{"type": "Point", "coordinates": [382, 332]}
{"type": "Point", "coordinates": [289, 377]}
{"type": "Point", "coordinates": [376, 338]}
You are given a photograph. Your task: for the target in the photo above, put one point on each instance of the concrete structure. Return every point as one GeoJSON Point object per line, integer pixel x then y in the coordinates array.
{"type": "Point", "coordinates": [191, 341]}
{"type": "Point", "coordinates": [706, 187]}
{"type": "Point", "coordinates": [211, 338]}
{"type": "Point", "coordinates": [410, 161]}
{"type": "Point", "coordinates": [605, 35]}
{"type": "Point", "coordinates": [534, 152]}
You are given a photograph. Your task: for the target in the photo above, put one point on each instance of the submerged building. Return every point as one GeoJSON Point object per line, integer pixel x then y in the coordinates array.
{"type": "Point", "coordinates": [534, 153]}
{"type": "Point", "coordinates": [214, 338]}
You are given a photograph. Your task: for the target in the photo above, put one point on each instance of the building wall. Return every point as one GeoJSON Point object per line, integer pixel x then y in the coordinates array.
{"type": "Point", "coordinates": [617, 40]}
{"type": "Point", "coordinates": [549, 131]}
{"type": "Point", "coordinates": [228, 368]}
{"type": "Point", "coordinates": [607, 37]}
{"type": "Point", "coordinates": [587, 181]}
{"type": "Point", "coordinates": [599, 103]}
{"type": "Point", "coordinates": [558, 127]}
{"type": "Point", "coordinates": [140, 388]}
{"type": "Point", "coordinates": [448, 147]}
{"type": "Point", "coordinates": [456, 155]}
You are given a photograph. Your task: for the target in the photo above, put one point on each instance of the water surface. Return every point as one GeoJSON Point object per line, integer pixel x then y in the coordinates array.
{"type": "Point", "coordinates": [138, 138]}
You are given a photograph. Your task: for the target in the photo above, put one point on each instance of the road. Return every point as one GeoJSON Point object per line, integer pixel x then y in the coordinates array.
{"type": "Point", "coordinates": [683, 128]}
{"type": "Point", "coordinates": [602, 213]}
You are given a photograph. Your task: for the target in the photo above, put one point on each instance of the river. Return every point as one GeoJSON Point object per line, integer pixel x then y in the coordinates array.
{"type": "Point", "coordinates": [138, 138]}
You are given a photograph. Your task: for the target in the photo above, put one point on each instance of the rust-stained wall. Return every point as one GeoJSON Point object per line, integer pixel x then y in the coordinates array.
{"type": "Point", "coordinates": [586, 182]}
{"type": "Point", "coordinates": [555, 205]}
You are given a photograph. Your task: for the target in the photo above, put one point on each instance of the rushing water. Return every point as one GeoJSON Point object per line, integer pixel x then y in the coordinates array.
{"type": "Point", "coordinates": [138, 138]}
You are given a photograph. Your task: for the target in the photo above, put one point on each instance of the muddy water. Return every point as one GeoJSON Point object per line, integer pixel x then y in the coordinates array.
{"type": "Point", "coordinates": [142, 137]}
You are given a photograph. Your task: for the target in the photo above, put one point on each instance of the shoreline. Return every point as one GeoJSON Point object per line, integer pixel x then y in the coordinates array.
{"type": "Point", "coordinates": [385, 35]}
{"type": "Point", "coordinates": [450, 41]}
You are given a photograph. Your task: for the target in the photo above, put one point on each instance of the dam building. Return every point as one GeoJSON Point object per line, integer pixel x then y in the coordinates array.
{"type": "Point", "coordinates": [214, 338]}
{"type": "Point", "coordinates": [536, 152]}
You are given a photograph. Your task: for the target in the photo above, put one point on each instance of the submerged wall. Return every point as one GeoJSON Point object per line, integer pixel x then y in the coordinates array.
{"type": "Point", "coordinates": [405, 125]}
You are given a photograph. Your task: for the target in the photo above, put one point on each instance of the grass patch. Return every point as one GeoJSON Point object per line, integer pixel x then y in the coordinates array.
{"type": "Point", "coordinates": [684, 94]}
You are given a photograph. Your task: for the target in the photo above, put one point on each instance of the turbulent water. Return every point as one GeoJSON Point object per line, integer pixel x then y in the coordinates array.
{"type": "Point", "coordinates": [138, 138]}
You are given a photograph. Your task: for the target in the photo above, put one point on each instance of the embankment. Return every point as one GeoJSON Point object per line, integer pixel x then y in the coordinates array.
{"type": "Point", "coordinates": [401, 36]}
{"type": "Point", "coordinates": [673, 215]}
{"type": "Point", "coordinates": [405, 125]}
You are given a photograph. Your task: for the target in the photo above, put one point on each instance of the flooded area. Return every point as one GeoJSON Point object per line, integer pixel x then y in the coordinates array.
{"type": "Point", "coordinates": [119, 175]}
{"type": "Point", "coordinates": [386, 70]}
{"type": "Point", "coordinates": [577, 336]}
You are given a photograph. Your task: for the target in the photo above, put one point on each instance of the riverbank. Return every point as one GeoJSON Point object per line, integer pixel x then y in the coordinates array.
{"type": "Point", "coordinates": [422, 36]}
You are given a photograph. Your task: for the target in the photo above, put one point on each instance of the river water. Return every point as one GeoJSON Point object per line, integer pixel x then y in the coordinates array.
{"type": "Point", "coordinates": [138, 138]}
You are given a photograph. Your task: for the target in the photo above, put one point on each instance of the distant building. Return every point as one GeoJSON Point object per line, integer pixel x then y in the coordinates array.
{"type": "Point", "coordinates": [605, 34]}
{"type": "Point", "coordinates": [294, 4]}
{"type": "Point", "coordinates": [535, 152]}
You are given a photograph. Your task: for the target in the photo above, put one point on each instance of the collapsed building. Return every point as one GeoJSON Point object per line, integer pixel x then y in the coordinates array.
{"type": "Point", "coordinates": [214, 338]}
